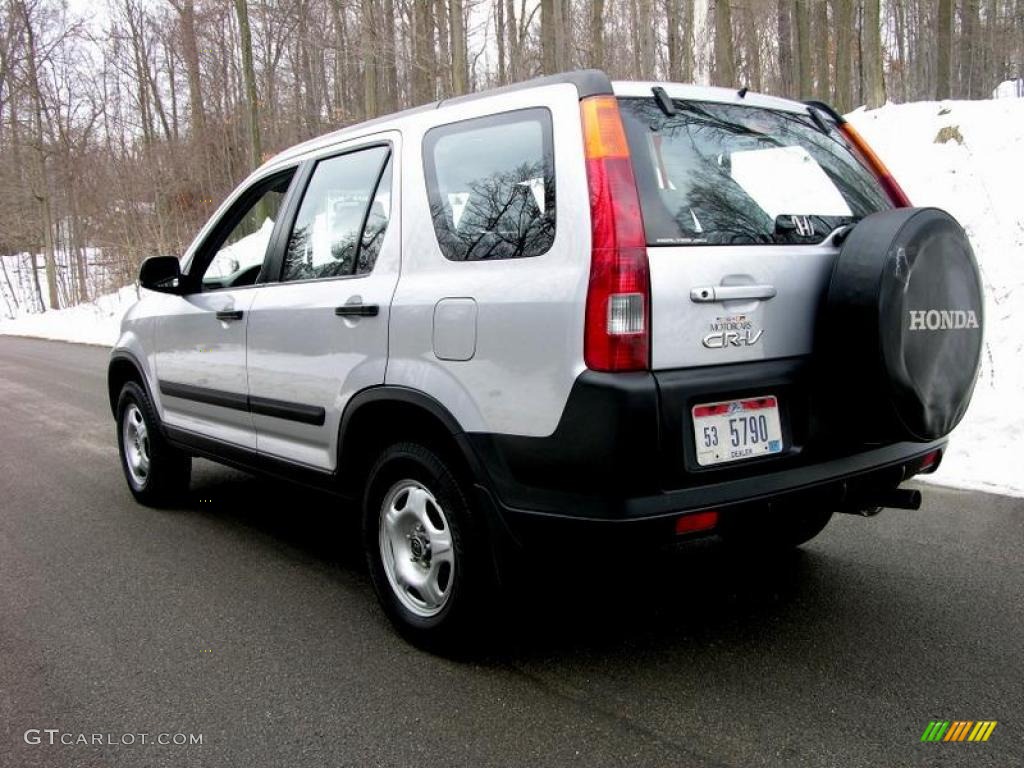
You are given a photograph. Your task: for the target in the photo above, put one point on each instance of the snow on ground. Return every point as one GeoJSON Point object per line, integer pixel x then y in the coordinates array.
{"type": "Point", "coordinates": [95, 322]}
{"type": "Point", "coordinates": [978, 181]}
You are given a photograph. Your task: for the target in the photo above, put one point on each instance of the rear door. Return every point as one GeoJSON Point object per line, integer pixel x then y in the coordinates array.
{"type": "Point", "coordinates": [320, 332]}
{"type": "Point", "coordinates": [740, 204]}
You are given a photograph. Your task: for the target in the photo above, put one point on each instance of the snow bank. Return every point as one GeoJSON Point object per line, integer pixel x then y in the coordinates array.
{"type": "Point", "coordinates": [95, 322]}
{"type": "Point", "coordinates": [980, 183]}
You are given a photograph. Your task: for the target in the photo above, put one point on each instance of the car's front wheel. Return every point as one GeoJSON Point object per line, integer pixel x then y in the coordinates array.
{"type": "Point", "coordinates": [426, 547]}
{"type": "Point", "coordinates": [157, 472]}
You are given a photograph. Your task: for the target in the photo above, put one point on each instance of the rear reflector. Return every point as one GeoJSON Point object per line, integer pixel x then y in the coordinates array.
{"type": "Point", "coordinates": [931, 461]}
{"type": "Point", "coordinates": [874, 164]}
{"type": "Point", "coordinates": [699, 521]}
{"type": "Point", "coordinates": [617, 326]}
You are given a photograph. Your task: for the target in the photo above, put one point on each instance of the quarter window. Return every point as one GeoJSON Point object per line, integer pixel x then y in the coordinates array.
{"type": "Point", "coordinates": [491, 186]}
{"type": "Point", "coordinates": [342, 219]}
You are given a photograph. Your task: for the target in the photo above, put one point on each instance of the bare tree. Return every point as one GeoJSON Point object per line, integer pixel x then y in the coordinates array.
{"type": "Point", "coordinates": [872, 73]}
{"type": "Point", "coordinates": [805, 73]}
{"type": "Point", "coordinates": [725, 65]}
{"type": "Point", "coordinates": [255, 144]}
{"type": "Point", "coordinates": [787, 70]}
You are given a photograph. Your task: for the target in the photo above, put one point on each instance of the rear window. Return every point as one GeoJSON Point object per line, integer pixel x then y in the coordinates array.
{"type": "Point", "coordinates": [720, 174]}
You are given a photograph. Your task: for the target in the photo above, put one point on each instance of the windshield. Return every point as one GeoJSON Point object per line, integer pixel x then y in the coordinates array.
{"type": "Point", "coordinates": [720, 174]}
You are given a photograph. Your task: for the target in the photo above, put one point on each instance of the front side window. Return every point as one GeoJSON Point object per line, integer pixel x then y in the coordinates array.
{"type": "Point", "coordinates": [491, 186]}
{"type": "Point", "coordinates": [721, 174]}
{"type": "Point", "coordinates": [343, 217]}
{"type": "Point", "coordinates": [239, 255]}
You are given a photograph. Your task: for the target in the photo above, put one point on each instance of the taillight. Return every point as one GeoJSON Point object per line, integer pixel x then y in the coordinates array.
{"type": "Point", "coordinates": [874, 163]}
{"type": "Point", "coordinates": [617, 335]}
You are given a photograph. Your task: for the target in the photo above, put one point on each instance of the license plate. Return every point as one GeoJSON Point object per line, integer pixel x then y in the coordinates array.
{"type": "Point", "coordinates": [737, 429]}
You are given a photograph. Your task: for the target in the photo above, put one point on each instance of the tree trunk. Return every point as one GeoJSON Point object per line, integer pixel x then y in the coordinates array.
{"type": "Point", "coordinates": [900, 21]}
{"type": "Point", "coordinates": [645, 37]}
{"type": "Point", "coordinates": [249, 75]}
{"type": "Point", "coordinates": [424, 68]}
{"type": "Point", "coordinates": [514, 58]}
{"type": "Point", "coordinates": [823, 90]}
{"type": "Point", "coordinates": [688, 40]}
{"type": "Point", "coordinates": [725, 68]}
{"type": "Point", "coordinates": [389, 57]}
{"type": "Point", "coordinates": [499, 36]}
{"type": "Point", "coordinates": [752, 44]}
{"type": "Point", "coordinates": [675, 53]}
{"type": "Point", "coordinates": [549, 55]}
{"type": "Point", "coordinates": [784, 16]}
{"type": "Point", "coordinates": [805, 74]}
{"type": "Point", "coordinates": [190, 53]}
{"type": "Point", "coordinates": [970, 55]}
{"type": "Point", "coordinates": [445, 67]}
{"type": "Point", "coordinates": [41, 190]}
{"type": "Point", "coordinates": [563, 23]}
{"type": "Point", "coordinates": [873, 76]}
{"type": "Point", "coordinates": [597, 34]}
{"type": "Point", "coordinates": [842, 17]}
{"type": "Point", "coordinates": [457, 25]}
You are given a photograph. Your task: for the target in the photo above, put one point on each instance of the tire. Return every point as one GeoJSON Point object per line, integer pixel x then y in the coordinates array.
{"type": "Point", "coordinates": [900, 339]}
{"type": "Point", "coordinates": [426, 548]}
{"type": "Point", "coordinates": [778, 529]}
{"type": "Point", "coordinates": [157, 473]}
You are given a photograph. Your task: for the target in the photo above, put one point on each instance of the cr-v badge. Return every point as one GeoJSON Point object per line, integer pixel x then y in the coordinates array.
{"type": "Point", "coordinates": [732, 331]}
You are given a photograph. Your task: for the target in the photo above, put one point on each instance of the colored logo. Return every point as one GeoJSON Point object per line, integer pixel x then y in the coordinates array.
{"type": "Point", "coordinates": [958, 730]}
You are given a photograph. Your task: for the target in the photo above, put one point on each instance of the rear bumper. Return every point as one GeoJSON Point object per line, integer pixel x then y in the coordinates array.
{"type": "Point", "coordinates": [623, 451]}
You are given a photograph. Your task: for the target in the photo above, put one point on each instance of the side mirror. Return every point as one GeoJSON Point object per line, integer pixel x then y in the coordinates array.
{"type": "Point", "coordinates": [161, 273]}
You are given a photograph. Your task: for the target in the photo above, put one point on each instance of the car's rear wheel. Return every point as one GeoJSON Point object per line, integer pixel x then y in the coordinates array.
{"type": "Point", "coordinates": [426, 547]}
{"type": "Point", "coordinates": [157, 473]}
{"type": "Point", "coordinates": [774, 530]}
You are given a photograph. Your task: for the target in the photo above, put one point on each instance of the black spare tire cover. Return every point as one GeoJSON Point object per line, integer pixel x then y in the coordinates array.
{"type": "Point", "coordinates": [901, 334]}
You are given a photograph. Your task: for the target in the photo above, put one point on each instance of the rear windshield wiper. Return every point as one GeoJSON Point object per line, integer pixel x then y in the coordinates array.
{"type": "Point", "coordinates": [663, 101]}
{"type": "Point", "coordinates": [818, 121]}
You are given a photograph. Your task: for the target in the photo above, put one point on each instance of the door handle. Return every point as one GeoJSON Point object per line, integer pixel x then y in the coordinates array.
{"type": "Point", "coordinates": [229, 314]}
{"type": "Point", "coordinates": [710, 294]}
{"type": "Point", "coordinates": [357, 310]}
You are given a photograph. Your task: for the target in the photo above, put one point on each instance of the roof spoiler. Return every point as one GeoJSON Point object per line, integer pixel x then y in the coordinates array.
{"type": "Point", "coordinates": [588, 82]}
{"type": "Point", "coordinates": [821, 106]}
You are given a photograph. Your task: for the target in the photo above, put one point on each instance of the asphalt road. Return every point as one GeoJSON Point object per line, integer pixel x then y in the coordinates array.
{"type": "Point", "coordinates": [247, 617]}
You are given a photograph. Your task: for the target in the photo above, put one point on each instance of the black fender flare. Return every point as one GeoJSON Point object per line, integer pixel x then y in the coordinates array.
{"type": "Point", "coordinates": [125, 355]}
{"type": "Point", "coordinates": [408, 396]}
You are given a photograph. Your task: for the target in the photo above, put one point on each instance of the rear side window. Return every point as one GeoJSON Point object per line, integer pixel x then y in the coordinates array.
{"type": "Point", "coordinates": [720, 174]}
{"type": "Point", "coordinates": [491, 186]}
{"type": "Point", "coordinates": [342, 219]}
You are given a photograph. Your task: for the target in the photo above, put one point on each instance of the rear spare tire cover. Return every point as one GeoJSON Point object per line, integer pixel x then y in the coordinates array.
{"type": "Point", "coordinates": [902, 328]}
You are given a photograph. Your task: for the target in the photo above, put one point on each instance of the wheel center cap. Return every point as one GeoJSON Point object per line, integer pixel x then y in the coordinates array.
{"type": "Point", "coordinates": [419, 547]}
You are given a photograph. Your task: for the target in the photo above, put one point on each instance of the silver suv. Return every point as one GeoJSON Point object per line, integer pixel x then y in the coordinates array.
{"type": "Point", "coordinates": [553, 312]}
